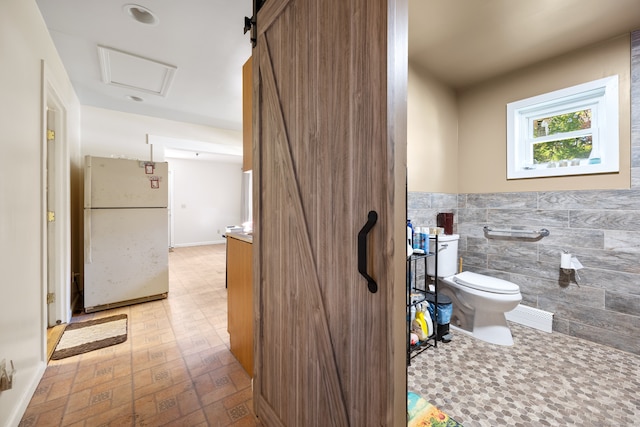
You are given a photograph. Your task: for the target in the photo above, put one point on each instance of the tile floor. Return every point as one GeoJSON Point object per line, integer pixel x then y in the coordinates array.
{"type": "Point", "coordinates": [544, 379]}
{"type": "Point", "coordinates": [174, 369]}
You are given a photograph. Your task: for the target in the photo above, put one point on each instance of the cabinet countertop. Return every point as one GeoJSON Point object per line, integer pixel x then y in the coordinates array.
{"type": "Point", "coordinates": [238, 235]}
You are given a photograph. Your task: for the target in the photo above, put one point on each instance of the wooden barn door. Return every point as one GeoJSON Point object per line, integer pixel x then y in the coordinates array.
{"type": "Point", "coordinates": [329, 155]}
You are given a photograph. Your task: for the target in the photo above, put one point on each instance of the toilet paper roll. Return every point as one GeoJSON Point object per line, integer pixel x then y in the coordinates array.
{"type": "Point", "coordinates": [565, 261]}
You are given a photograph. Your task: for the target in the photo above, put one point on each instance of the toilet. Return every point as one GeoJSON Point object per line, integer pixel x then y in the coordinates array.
{"type": "Point", "coordinates": [479, 301]}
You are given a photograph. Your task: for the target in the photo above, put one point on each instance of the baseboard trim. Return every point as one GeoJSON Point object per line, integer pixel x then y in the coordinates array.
{"type": "Point", "coordinates": [532, 317]}
{"type": "Point", "coordinates": [213, 242]}
{"type": "Point", "coordinates": [21, 405]}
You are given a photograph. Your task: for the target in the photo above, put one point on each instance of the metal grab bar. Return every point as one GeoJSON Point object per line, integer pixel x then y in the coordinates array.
{"type": "Point", "coordinates": [543, 232]}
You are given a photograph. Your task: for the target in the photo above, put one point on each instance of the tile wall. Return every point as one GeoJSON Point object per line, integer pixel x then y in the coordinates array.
{"type": "Point", "coordinates": [600, 228]}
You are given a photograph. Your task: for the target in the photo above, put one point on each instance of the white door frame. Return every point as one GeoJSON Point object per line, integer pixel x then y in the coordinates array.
{"type": "Point", "coordinates": [56, 263]}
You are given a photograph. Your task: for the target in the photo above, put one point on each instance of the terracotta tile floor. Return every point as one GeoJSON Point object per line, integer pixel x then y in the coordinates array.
{"type": "Point", "coordinates": [174, 369]}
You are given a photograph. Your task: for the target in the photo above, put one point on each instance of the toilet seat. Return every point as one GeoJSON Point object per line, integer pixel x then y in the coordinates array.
{"type": "Point", "coordinates": [485, 283]}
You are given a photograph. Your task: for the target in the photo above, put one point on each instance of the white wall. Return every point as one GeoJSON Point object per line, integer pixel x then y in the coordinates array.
{"type": "Point", "coordinates": [24, 43]}
{"type": "Point", "coordinates": [107, 133]}
{"type": "Point", "coordinates": [206, 198]}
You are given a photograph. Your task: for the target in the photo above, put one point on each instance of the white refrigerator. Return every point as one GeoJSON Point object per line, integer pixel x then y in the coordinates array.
{"type": "Point", "coordinates": [126, 238]}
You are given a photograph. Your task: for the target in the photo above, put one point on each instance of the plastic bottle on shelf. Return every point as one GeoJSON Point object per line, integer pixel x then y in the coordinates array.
{"type": "Point", "coordinates": [409, 238]}
{"type": "Point", "coordinates": [424, 240]}
{"type": "Point", "coordinates": [416, 238]}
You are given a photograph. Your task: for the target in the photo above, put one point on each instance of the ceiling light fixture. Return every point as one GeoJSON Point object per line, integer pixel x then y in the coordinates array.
{"type": "Point", "coordinates": [141, 14]}
{"type": "Point", "coordinates": [134, 98]}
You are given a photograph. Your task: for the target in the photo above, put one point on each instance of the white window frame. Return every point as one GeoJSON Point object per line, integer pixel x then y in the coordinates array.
{"type": "Point", "coordinates": [601, 96]}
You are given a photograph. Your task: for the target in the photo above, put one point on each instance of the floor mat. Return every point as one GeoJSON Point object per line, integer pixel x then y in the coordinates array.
{"type": "Point", "coordinates": [82, 337]}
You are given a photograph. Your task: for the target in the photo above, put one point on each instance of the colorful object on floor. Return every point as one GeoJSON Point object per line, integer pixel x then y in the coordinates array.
{"type": "Point", "coordinates": [421, 413]}
{"type": "Point", "coordinates": [82, 337]}
{"type": "Point", "coordinates": [414, 339]}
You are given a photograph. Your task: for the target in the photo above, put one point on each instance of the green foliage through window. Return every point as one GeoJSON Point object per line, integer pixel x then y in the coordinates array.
{"type": "Point", "coordinates": [563, 149]}
{"type": "Point", "coordinates": [562, 123]}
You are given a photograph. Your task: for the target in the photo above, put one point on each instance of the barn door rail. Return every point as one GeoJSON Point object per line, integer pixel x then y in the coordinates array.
{"type": "Point", "coordinates": [250, 23]}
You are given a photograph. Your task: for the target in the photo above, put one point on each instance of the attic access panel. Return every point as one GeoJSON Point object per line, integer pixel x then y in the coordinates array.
{"type": "Point", "coordinates": [135, 72]}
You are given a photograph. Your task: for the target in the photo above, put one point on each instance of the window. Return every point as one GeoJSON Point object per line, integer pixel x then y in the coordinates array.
{"type": "Point", "coordinates": [572, 131]}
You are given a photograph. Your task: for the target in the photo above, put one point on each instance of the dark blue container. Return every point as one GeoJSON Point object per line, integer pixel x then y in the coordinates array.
{"type": "Point", "coordinates": [445, 308]}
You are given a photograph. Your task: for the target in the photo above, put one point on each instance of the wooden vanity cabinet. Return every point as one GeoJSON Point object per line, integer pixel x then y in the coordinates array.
{"type": "Point", "coordinates": [240, 300]}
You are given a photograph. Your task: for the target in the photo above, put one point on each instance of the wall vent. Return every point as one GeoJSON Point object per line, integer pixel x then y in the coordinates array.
{"type": "Point", "coordinates": [532, 317]}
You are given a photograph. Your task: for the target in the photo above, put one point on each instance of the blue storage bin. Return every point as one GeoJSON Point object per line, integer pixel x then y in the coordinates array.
{"type": "Point", "coordinates": [445, 308]}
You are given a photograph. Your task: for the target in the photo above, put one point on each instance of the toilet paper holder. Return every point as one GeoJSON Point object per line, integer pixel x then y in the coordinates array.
{"type": "Point", "coordinates": [569, 263]}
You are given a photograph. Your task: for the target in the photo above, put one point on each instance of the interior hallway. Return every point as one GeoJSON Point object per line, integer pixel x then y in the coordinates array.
{"type": "Point", "coordinates": [174, 369]}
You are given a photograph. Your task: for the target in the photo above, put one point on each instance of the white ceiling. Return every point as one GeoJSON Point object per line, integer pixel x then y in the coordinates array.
{"type": "Point", "coordinates": [460, 42]}
{"type": "Point", "coordinates": [203, 39]}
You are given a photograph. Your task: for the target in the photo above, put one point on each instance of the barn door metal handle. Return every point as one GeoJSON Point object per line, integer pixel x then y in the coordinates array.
{"type": "Point", "coordinates": [362, 251]}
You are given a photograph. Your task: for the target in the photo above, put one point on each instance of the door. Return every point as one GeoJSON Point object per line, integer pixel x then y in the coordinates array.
{"type": "Point", "coordinates": [52, 260]}
{"type": "Point", "coordinates": [329, 141]}
{"type": "Point", "coordinates": [56, 206]}
{"type": "Point", "coordinates": [126, 256]}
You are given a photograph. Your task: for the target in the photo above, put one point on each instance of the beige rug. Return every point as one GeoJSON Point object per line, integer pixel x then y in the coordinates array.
{"type": "Point", "coordinates": [82, 337]}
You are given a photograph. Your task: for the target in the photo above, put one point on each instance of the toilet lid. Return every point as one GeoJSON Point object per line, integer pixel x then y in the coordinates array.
{"type": "Point", "coordinates": [486, 283]}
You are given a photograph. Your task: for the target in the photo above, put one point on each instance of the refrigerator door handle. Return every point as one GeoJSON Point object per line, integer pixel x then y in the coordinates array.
{"type": "Point", "coordinates": [87, 236]}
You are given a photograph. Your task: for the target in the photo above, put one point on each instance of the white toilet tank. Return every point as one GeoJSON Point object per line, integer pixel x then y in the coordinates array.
{"type": "Point", "coordinates": [447, 255]}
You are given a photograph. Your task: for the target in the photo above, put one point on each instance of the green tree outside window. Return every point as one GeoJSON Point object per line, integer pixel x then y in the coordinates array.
{"type": "Point", "coordinates": [565, 148]}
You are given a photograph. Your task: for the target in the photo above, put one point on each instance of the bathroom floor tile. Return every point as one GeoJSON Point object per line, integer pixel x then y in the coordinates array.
{"type": "Point", "coordinates": [543, 379]}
